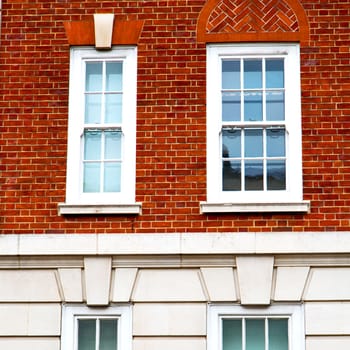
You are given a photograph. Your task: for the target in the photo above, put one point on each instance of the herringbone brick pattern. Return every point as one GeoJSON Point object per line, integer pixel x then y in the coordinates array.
{"type": "Point", "coordinates": [252, 16]}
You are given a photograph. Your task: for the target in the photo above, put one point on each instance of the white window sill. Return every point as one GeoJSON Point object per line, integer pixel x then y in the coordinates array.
{"type": "Point", "coordinates": [301, 207]}
{"type": "Point", "coordinates": [82, 209]}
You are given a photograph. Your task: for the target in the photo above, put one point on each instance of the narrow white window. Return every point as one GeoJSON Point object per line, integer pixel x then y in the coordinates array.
{"type": "Point", "coordinates": [102, 129]}
{"type": "Point", "coordinates": [86, 328]}
{"type": "Point", "coordinates": [273, 328]}
{"type": "Point", "coordinates": [254, 128]}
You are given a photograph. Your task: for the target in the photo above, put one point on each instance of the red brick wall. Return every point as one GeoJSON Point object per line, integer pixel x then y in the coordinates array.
{"type": "Point", "coordinates": [171, 120]}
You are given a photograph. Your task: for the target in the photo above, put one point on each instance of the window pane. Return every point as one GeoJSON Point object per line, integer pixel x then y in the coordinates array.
{"type": "Point", "coordinates": [253, 106]}
{"type": "Point", "coordinates": [86, 334]}
{"type": "Point", "coordinates": [276, 175]}
{"type": "Point", "coordinates": [254, 175]}
{"type": "Point", "coordinates": [113, 108]}
{"type": "Point", "coordinates": [108, 334]}
{"type": "Point", "coordinates": [114, 75]}
{"type": "Point", "coordinates": [93, 79]}
{"type": "Point", "coordinates": [274, 105]}
{"type": "Point", "coordinates": [112, 174]}
{"type": "Point", "coordinates": [231, 74]}
{"type": "Point", "coordinates": [92, 145]}
{"type": "Point", "coordinates": [274, 73]}
{"type": "Point", "coordinates": [253, 145]}
{"type": "Point", "coordinates": [255, 334]}
{"type": "Point", "coordinates": [93, 109]}
{"type": "Point", "coordinates": [231, 176]}
{"type": "Point", "coordinates": [278, 334]}
{"type": "Point", "coordinates": [232, 334]}
{"type": "Point", "coordinates": [113, 144]}
{"type": "Point", "coordinates": [275, 142]}
{"type": "Point", "coordinates": [231, 143]}
{"type": "Point", "coordinates": [92, 177]}
{"type": "Point", "coordinates": [231, 106]}
{"type": "Point", "coordinates": [252, 74]}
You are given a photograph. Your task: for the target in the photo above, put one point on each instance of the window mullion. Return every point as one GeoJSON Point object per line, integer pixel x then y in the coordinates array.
{"type": "Point", "coordinates": [243, 334]}
{"type": "Point", "coordinates": [266, 334]}
{"type": "Point", "coordinates": [97, 345]}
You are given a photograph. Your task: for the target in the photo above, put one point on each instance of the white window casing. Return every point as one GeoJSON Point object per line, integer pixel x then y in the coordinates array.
{"type": "Point", "coordinates": [72, 313]}
{"type": "Point", "coordinates": [122, 201]}
{"type": "Point", "coordinates": [288, 199]}
{"type": "Point", "coordinates": [293, 313]}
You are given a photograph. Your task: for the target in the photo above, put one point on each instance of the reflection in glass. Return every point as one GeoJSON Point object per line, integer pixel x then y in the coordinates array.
{"type": "Point", "coordinates": [254, 175]}
{"type": "Point", "coordinates": [252, 74]}
{"type": "Point", "coordinates": [93, 109]}
{"type": "Point", "coordinates": [112, 176]}
{"type": "Point", "coordinates": [108, 334]}
{"type": "Point", "coordinates": [253, 106]}
{"type": "Point", "coordinates": [276, 175]}
{"type": "Point", "coordinates": [114, 73]}
{"type": "Point", "coordinates": [232, 334]}
{"type": "Point", "coordinates": [255, 334]}
{"type": "Point", "coordinates": [231, 143]}
{"type": "Point", "coordinates": [274, 73]}
{"type": "Point", "coordinates": [253, 145]}
{"type": "Point", "coordinates": [275, 142]}
{"type": "Point", "coordinates": [275, 105]}
{"type": "Point", "coordinates": [231, 175]}
{"type": "Point", "coordinates": [86, 334]}
{"type": "Point", "coordinates": [92, 173]}
{"type": "Point", "coordinates": [92, 145]}
{"type": "Point", "coordinates": [113, 144]}
{"type": "Point", "coordinates": [231, 106]}
{"type": "Point", "coordinates": [231, 74]}
{"type": "Point", "coordinates": [93, 79]}
{"type": "Point", "coordinates": [278, 334]}
{"type": "Point", "coordinates": [113, 113]}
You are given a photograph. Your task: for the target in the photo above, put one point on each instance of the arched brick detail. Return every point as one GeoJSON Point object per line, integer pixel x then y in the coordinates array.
{"type": "Point", "coordinates": [252, 20]}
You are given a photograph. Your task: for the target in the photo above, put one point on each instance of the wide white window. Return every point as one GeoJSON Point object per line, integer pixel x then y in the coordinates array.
{"type": "Point", "coordinates": [239, 328]}
{"type": "Point", "coordinates": [254, 128]}
{"type": "Point", "coordinates": [102, 128]}
{"type": "Point", "coordinates": [85, 328]}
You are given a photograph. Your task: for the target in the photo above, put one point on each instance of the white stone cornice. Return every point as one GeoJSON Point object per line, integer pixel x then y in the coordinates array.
{"type": "Point", "coordinates": [181, 244]}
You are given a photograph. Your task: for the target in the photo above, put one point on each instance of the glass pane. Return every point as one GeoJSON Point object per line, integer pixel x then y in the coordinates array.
{"type": "Point", "coordinates": [253, 106]}
{"type": "Point", "coordinates": [231, 143]}
{"type": "Point", "coordinates": [231, 106]}
{"type": "Point", "coordinates": [254, 175]}
{"type": "Point", "coordinates": [275, 142]}
{"type": "Point", "coordinates": [278, 334]}
{"type": "Point", "coordinates": [114, 76]}
{"type": "Point", "coordinates": [86, 334]}
{"type": "Point", "coordinates": [92, 177]}
{"type": "Point", "coordinates": [276, 175]}
{"type": "Point", "coordinates": [232, 334]}
{"type": "Point", "coordinates": [112, 177]}
{"type": "Point", "coordinates": [274, 105]}
{"type": "Point", "coordinates": [252, 74]}
{"type": "Point", "coordinates": [274, 73]}
{"type": "Point", "coordinates": [113, 109]}
{"type": "Point", "coordinates": [93, 109]}
{"type": "Point", "coordinates": [253, 145]}
{"type": "Point", "coordinates": [93, 79]}
{"type": "Point", "coordinates": [255, 334]}
{"type": "Point", "coordinates": [92, 145]}
{"type": "Point", "coordinates": [113, 145]}
{"type": "Point", "coordinates": [231, 74]}
{"type": "Point", "coordinates": [108, 334]}
{"type": "Point", "coordinates": [231, 176]}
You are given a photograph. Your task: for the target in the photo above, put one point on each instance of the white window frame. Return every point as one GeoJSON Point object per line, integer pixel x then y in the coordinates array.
{"type": "Point", "coordinates": [295, 314]}
{"type": "Point", "coordinates": [252, 201]}
{"type": "Point", "coordinates": [71, 313]}
{"type": "Point", "coordinates": [115, 202]}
